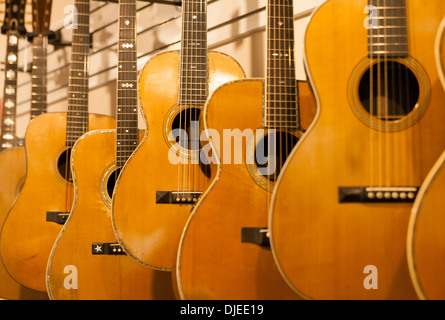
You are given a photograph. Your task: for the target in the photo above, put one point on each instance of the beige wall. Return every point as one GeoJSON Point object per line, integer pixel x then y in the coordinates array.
{"type": "Point", "coordinates": [236, 27]}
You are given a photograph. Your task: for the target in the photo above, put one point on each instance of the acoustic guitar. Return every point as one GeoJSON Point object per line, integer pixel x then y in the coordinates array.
{"type": "Point", "coordinates": [224, 251]}
{"type": "Point", "coordinates": [164, 178]}
{"type": "Point", "coordinates": [12, 156]}
{"type": "Point", "coordinates": [425, 244]}
{"type": "Point", "coordinates": [87, 243]}
{"type": "Point", "coordinates": [36, 218]}
{"type": "Point", "coordinates": [340, 210]}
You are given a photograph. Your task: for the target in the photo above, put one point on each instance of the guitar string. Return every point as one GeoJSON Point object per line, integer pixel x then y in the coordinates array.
{"type": "Point", "coordinates": [201, 34]}
{"type": "Point", "coordinates": [204, 93]}
{"type": "Point", "coordinates": [83, 9]}
{"type": "Point", "coordinates": [270, 72]}
{"type": "Point", "coordinates": [379, 106]}
{"type": "Point", "coordinates": [191, 91]}
{"type": "Point", "coordinates": [182, 74]}
{"type": "Point", "coordinates": [193, 106]}
{"type": "Point", "coordinates": [410, 135]}
{"type": "Point", "coordinates": [371, 89]}
{"type": "Point", "coordinates": [283, 65]}
{"type": "Point", "coordinates": [192, 96]}
{"type": "Point", "coordinates": [121, 93]}
{"type": "Point", "coordinates": [292, 91]}
{"type": "Point", "coordinates": [124, 146]}
{"type": "Point", "coordinates": [386, 112]}
{"type": "Point", "coordinates": [283, 134]}
{"type": "Point", "coordinates": [375, 103]}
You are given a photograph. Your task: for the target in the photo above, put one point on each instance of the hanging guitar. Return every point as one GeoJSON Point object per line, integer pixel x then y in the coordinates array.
{"type": "Point", "coordinates": [224, 252]}
{"type": "Point", "coordinates": [37, 216]}
{"type": "Point", "coordinates": [12, 158]}
{"type": "Point", "coordinates": [13, 28]}
{"type": "Point", "coordinates": [163, 179]}
{"type": "Point", "coordinates": [87, 242]}
{"type": "Point", "coordinates": [425, 243]}
{"type": "Point", "coordinates": [340, 210]}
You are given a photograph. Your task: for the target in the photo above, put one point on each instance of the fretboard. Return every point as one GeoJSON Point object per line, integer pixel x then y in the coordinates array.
{"type": "Point", "coordinates": [281, 106]}
{"type": "Point", "coordinates": [193, 86]}
{"type": "Point", "coordinates": [127, 137]}
{"type": "Point", "coordinates": [39, 78]}
{"type": "Point", "coordinates": [387, 34]}
{"type": "Point", "coordinates": [77, 121]}
{"type": "Point", "coordinates": [8, 128]}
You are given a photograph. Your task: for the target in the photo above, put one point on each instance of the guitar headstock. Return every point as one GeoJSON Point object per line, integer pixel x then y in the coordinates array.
{"type": "Point", "coordinates": [14, 16]}
{"type": "Point", "coordinates": [41, 15]}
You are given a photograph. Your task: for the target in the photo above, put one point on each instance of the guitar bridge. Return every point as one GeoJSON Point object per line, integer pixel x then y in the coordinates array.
{"type": "Point", "coordinates": [258, 236]}
{"type": "Point", "coordinates": [177, 197]}
{"type": "Point", "coordinates": [57, 217]}
{"type": "Point", "coordinates": [377, 194]}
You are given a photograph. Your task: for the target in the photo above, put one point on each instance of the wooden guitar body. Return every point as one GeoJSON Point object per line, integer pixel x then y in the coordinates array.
{"type": "Point", "coordinates": [150, 231]}
{"type": "Point", "coordinates": [356, 249]}
{"type": "Point", "coordinates": [213, 262]}
{"type": "Point", "coordinates": [425, 242]}
{"type": "Point", "coordinates": [12, 176]}
{"type": "Point", "coordinates": [27, 238]}
{"type": "Point", "coordinates": [425, 237]}
{"type": "Point", "coordinates": [100, 274]}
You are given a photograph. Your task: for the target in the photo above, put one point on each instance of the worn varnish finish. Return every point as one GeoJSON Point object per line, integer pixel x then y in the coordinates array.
{"type": "Point", "coordinates": [322, 247]}
{"type": "Point", "coordinates": [148, 231]}
{"type": "Point", "coordinates": [27, 238]}
{"type": "Point", "coordinates": [99, 276]}
{"type": "Point", "coordinates": [212, 261]}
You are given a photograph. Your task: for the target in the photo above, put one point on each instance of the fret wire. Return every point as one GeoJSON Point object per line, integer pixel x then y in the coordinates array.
{"type": "Point", "coordinates": [280, 69]}
{"type": "Point", "coordinates": [127, 81]}
{"type": "Point", "coordinates": [390, 38]}
{"type": "Point", "coordinates": [10, 112]}
{"type": "Point", "coordinates": [193, 54]}
{"type": "Point", "coordinates": [79, 58]}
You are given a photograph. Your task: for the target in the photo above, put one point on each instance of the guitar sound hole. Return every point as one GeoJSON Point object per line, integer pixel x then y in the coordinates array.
{"type": "Point", "coordinates": [395, 90]}
{"type": "Point", "coordinates": [187, 120]}
{"type": "Point", "coordinates": [272, 152]}
{"type": "Point", "coordinates": [111, 182]}
{"type": "Point", "coordinates": [64, 165]}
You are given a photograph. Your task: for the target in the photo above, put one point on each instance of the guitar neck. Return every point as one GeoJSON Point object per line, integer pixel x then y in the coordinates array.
{"type": "Point", "coordinates": [77, 119]}
{"type": "Point", "coordinates": [8, 133]}
{"type": "Point", "coordinates": [281, 106]}
{"type": "Point", "coordinates": [193, 86]}
{"type": "Point", "coordinates": [127, 137]}
{"type": "Point", "coordinates": [39, 76]}
{"type": "Point", "coordinates": [388, 36]}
